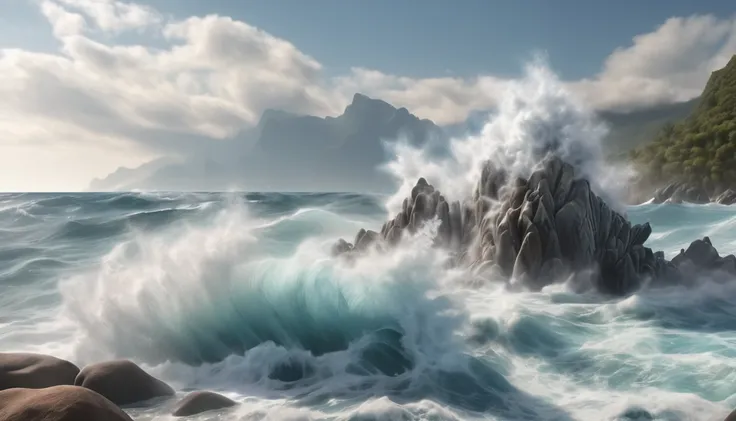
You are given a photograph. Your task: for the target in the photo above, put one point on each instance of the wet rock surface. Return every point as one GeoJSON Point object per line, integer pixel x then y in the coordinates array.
{"type": "Point", "coordinates": [541, 230]}
{"type": "Point", "coordinates": [201, 401]}
{"type": "Point", "coordinates": [122, 382]}
{"type": "Point", "coordinates": [34, 371]}
{"type": "Point", "coordinates": [58, 403]}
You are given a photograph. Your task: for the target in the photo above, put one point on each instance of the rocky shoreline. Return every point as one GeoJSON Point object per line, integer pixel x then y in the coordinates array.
{"type": "Point", "coordinates": [679, 192]}
{"type": "Point", "coordinates": [40, 387]}
{"type": "Point", "coordinates": [541, 230]}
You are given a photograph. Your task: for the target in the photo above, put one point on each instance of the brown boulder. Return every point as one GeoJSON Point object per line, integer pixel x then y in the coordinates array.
{"type": "Point", "coordinates": [58, 403]}
{"type": "Point", "coordinates": [202, 401]}
{"type": "Point", "coordinates": [122, 382]}
{"type": "Point", "coordinates": [34, 371]}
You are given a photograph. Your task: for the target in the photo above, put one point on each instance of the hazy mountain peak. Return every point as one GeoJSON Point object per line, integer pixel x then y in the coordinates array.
{"type": "Point", "coordinates": [362, 99]}
{"type": "Point", "coordinates": [366, 107]}
{"type": "Point", "coordinates": [271, 114]}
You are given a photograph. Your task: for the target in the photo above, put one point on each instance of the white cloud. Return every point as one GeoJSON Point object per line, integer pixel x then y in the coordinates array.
{"type": "Point", "coordinates": [102, 104]}
{"type": "Point", "coordinates": [62, 21]}
{"type": "Point", "coordinates": [115, 16]}
{"type": "Point", "coordinates": [668, 65]}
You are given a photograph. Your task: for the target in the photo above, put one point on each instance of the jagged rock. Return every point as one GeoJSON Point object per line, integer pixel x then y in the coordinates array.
{"type": "Point", "coordinates": [122, 382]}
{"type": "Point", "coordinates": [340, 247]}
{"type": "Point", "coordinates": [728, 197]}
{"type": "Point", "coordinates": [702, 253]}
{"type": "Point", "coordinates": [679, 192]}
{"type": "Point", "coordinates": [34, 371]}
{"type": "Point", "coordinates": [362, 242]}
{"type": "Point", "coordinates": [702, 256]}
{"type": "Point", "coordinates": [58, 403]}
{"type": "Point", "coordinates": [201, 401]}
{"type": "Point", "coordinates": [425, 204]}
{"type": "Point", "coordinates": [540, 230]}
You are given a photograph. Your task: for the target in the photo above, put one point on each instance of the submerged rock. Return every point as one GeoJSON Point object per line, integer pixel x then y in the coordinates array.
{"type": "Point", "coordinates": [539, 230]}
{"type": "Point", "coordinates": [34, 371]}
{"type": "Point", "coordinates": [201, 401]}
{"type": "Point", "coordinates": [58, 403]}
{"type": "Point", "coordinates": [636, 414]}
{"type": "Point", "coordinates": [122, 382]}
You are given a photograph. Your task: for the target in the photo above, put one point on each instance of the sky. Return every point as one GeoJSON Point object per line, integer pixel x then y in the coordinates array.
{"type": "Point", "coordinates": [87, 86]}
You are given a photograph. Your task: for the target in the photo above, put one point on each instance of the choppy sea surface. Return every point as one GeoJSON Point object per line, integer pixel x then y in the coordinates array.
{"type": "Point", "coordinates": [237, 293]}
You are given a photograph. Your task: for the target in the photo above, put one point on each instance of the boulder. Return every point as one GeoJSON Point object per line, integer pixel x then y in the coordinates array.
{"type": "Point", "coordinates": [58, 403]}
{"type": "Point", "coordinates": [122, 382]}
{"type": "Point", "coordinates": [34, 371]}
{"type": "Point", "coordinates": [202, 401]}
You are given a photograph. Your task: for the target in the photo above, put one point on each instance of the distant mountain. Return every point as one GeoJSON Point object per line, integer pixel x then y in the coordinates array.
{"type": "Point", "coordinates": [124, 178]}
{"type": "Point", "coordinates": [700, 150]}
{"type": "Point", "coordinates": [289, 152]}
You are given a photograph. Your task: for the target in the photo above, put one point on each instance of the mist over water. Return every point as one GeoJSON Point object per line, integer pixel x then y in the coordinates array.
{"type": "Point", "coordinates": [238, 293]}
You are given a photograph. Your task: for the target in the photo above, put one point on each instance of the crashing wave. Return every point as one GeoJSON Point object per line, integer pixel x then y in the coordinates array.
{"type": "Point", "coordinates": [541, 229]}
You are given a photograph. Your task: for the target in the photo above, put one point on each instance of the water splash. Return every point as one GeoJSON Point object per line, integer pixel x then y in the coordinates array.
{"type": "Point", "coordinates": [536, 116]}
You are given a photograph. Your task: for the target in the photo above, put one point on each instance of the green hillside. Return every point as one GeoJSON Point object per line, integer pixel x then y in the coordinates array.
{"type": "Point", "coordinates": [700, 150]}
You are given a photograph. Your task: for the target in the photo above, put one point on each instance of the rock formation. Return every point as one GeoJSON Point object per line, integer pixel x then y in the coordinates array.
{"type": "Point", "coordinates": [58, 403]}
{"type": "Point", "coordinates": [34, 371]}
{"type": "Point", "coordinates": [122, 382]}
{"type": "Point", "coordinates": [679, 192]}
{"type": "Point", "coordinates": [540, 230]}
{"type": "Point", "coordinates": [728, 197]}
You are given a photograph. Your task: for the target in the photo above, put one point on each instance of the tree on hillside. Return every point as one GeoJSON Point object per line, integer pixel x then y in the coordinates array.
{"type": "Point", "coordinates": [701, 150]}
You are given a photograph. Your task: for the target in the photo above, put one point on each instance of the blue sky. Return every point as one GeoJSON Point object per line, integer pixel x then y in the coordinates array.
{"type": "Point", "coordinates": [87, 86]}
{"type": "Point", "coordinates": [423, 38]}
{"type": "Point", "coordinates": [466, 37]}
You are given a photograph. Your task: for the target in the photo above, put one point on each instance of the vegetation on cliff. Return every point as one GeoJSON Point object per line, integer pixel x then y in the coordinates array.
{"type": "Point", "coordinates": [700, 150]}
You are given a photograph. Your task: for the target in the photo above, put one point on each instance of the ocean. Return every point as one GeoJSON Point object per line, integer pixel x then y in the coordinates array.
{"type": "Point", "coordinates": [238, 293]}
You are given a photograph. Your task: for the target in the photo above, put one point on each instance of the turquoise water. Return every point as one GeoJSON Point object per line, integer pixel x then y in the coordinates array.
{"type": "Point", "coordinates": [237, 293]}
